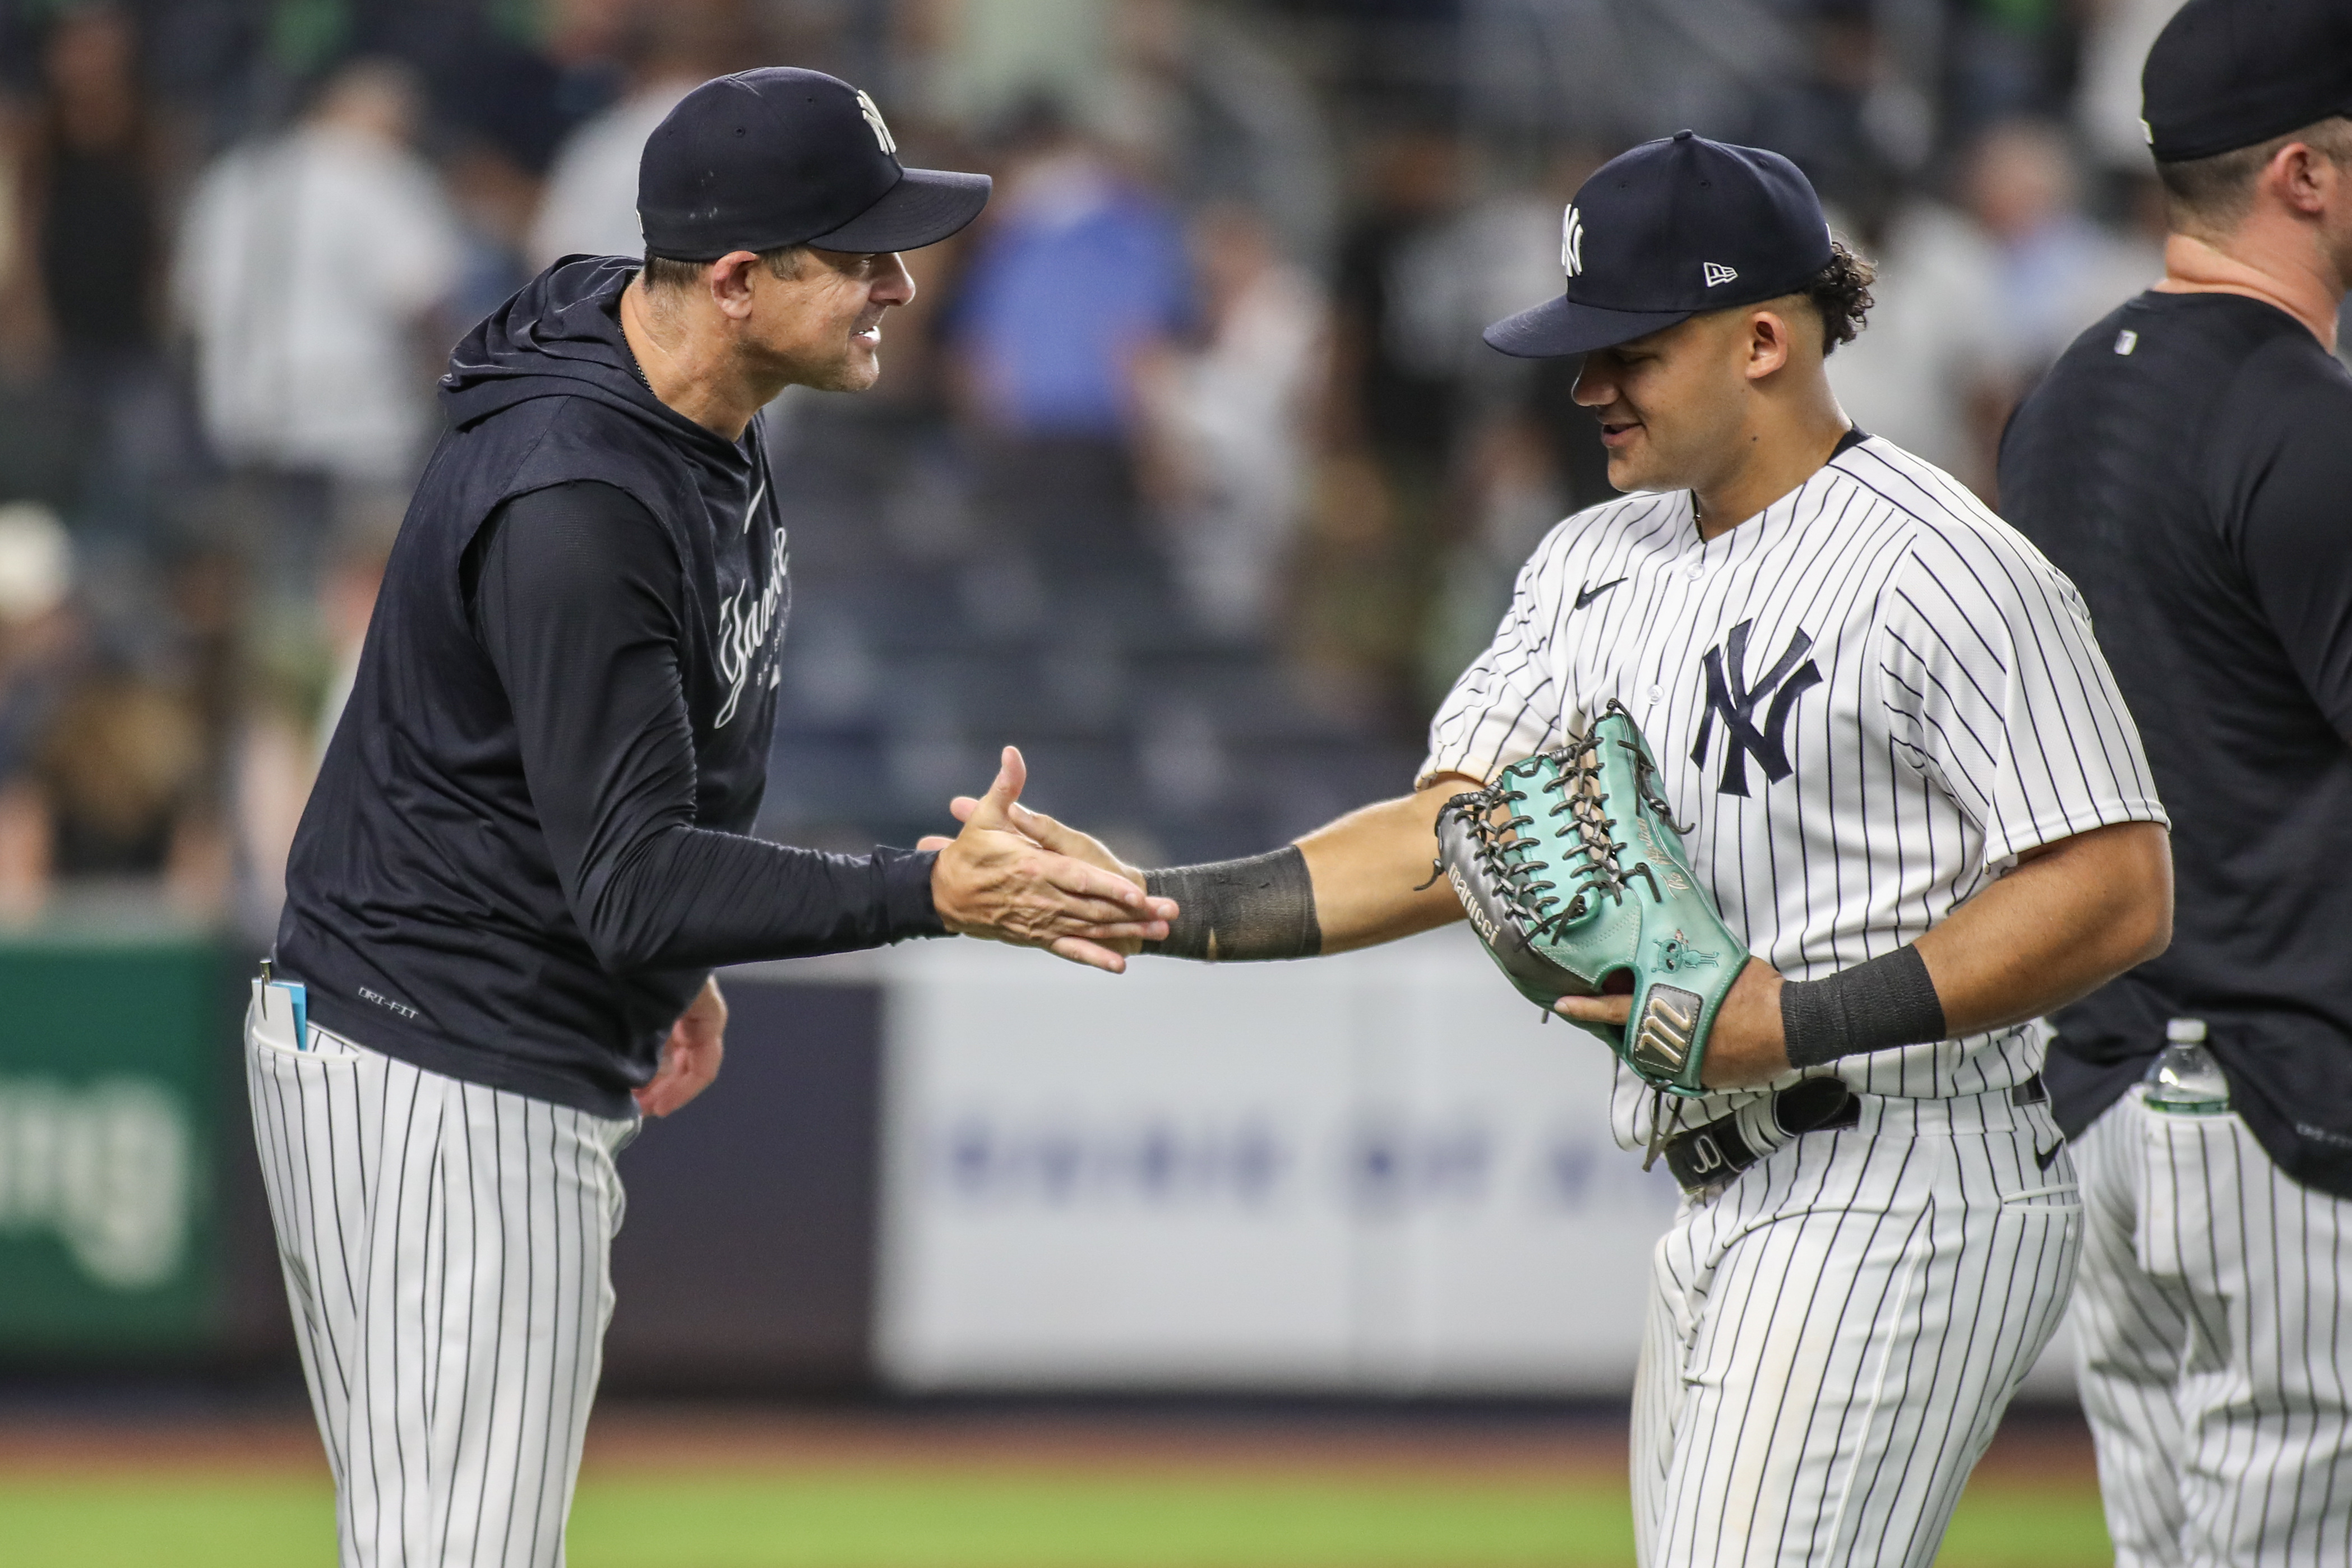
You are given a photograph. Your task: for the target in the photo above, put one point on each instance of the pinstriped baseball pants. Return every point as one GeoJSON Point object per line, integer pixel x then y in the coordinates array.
{"type": "Point", "coordinates": [447, 1249]}
{"type": "Point", "coordinates": [1833, 1339]}
{"type": "Point", "coordinates": [2214, 1328]}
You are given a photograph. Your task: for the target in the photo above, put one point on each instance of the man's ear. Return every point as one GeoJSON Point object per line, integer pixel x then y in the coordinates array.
{"type": "Point", "coordinates": [2303, 174]}
{"type": "Point", "coordinates": [732, 283]}
{"type": "Point", "coordinates": [1772, 341]}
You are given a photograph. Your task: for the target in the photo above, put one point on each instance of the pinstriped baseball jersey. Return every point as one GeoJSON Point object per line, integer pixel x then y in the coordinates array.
{"type": "Point", "coordinates": [1869, 699]}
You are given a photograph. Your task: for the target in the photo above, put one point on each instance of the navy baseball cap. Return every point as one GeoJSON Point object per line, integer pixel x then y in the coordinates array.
{"type": "Point", "coordinates": [782, 156]}
{"type": "Point", "coordinates": [1668, 231]}
{"type": "Point", "coordinates": [2226, 74]}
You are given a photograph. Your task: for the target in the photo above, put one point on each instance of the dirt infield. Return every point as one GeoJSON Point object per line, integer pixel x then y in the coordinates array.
{"type": "Point", "coordinates": [2034, 1447]}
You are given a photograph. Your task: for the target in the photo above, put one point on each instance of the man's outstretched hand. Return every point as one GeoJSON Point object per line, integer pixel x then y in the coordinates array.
{"type": "Point", "coordinates": [1003, 880]}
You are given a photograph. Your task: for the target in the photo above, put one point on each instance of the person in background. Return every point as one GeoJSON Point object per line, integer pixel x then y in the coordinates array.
{"type": "Point", "coordinates": [1228, 424]}
{"type": "Point", "coordinates": [1524, 454]}
{"type": "Point", "coordinates": [1976, 301]}
{"type": "Point", "coordinates": [85, 281]}
{"type": "Point", "coordinates": [1380, 521]}
{"type": "Point", "coordinates": [309, 272]}
{"type": "Point", "coordinates": [1081, 273]}
{"type": "Point", "coordinates": [80, 304]}
{"type": "Point", "coordinates": [2187, 463]}
{"type": "Point", "coordinates": [108, 767]}
{"type": "Point", "coordinates": [123, 788]}
{"type": "Point", "coordinates": [1397, 366]}
{"type": "Point", "coordinates": [2054, 266]}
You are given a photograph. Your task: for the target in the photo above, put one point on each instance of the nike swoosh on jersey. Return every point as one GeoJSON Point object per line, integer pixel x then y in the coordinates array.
{"type": "Point", "coordinates": [2041, 1158]}
{"type": "Point", "coordinates": [1587, 595]}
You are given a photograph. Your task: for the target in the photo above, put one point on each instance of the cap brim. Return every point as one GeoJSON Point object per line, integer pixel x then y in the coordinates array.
{"type": "Point", "coordinates": [923, 208]}
{"type": "Point", "coordinates": [1561, 326]}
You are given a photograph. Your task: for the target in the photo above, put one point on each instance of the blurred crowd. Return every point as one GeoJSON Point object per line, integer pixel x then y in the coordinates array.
{"type": "Point", "coordinates": [1188, 470]}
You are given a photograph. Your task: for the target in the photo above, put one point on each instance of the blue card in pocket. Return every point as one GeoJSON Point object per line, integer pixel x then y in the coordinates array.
{"type": "Point", "coordinates": [297, 997]}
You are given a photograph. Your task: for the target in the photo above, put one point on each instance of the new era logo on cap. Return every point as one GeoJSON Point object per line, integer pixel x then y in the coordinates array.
{"type": "Point", "coordinates": [1717, 273]}
{"type": "Point", "coordinates": [1572, 241]}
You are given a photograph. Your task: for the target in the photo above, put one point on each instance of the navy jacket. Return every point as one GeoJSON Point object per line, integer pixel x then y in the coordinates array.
{"type": "Point", "coordinates": [430, 910]}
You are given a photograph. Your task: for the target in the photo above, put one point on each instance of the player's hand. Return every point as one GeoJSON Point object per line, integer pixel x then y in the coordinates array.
{"type": "Point", "coordinates": [692, 1055]}
{"type": "Point", "coordinates": [1063, 839]}
{"type": "Point", "coordinates": [1745, 1047]}
{"type": "Point", "coordinates": [996, 879]}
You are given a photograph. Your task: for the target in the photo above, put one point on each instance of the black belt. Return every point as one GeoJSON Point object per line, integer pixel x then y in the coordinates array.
{"type": "Point", "coordinates": [1709, 1157]}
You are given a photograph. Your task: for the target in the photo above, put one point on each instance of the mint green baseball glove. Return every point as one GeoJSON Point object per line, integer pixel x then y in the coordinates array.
{"type": "Point", "coordinates": [1567, 908]}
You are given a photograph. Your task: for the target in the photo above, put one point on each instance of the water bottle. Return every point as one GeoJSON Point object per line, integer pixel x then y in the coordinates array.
{"type": "Point", "coordinates": [2186, 1080]}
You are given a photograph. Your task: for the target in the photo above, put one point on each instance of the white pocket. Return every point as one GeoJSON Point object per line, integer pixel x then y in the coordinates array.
{"type": "Point", "coordinates": [269, 1020]}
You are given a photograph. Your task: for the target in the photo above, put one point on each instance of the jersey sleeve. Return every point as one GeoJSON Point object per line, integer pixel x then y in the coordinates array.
{"type": "Point", "coordinates": [1996, 691]}
{"type": "Point", "coordinates": [574, 591]}
{"type": "Point", "coordinates": [2293, 529]}
{"type": "Point", "coordinates": [1510, 703]}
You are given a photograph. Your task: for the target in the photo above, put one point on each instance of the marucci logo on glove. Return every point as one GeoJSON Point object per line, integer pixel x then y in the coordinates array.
{"type": "Point", "coordinates": [1663, 1042]}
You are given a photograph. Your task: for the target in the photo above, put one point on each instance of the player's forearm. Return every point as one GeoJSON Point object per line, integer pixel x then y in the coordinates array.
{"type": "Point", "coordinates": [1371, 870]}
{"type": "Point", "coordinates": [2062, 925]}
{"type": "Point", "coordinates": [1361, 879]}
{"type": "Point", "coordinates": [2059, 926]}
{"type": "Point", "coordinates": [690, 896]}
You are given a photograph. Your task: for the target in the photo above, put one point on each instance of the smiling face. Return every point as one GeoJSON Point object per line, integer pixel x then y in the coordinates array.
{"type": "Point", "coordinates": [1674, 406]}
{"type": "Point", "coordinates": [822, 327]}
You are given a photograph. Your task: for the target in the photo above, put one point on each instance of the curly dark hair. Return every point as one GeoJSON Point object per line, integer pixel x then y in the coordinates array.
{"type": "Point", "coordinates": [1840, 292]}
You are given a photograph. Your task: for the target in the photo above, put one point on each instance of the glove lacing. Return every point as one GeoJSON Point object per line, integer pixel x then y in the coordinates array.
{"type": "Point", "coordinates": [1514, 862]}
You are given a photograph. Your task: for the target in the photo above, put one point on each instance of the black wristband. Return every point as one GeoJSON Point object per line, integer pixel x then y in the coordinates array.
{"type": "Point", "coordinates": [1890, 1001]}
{"type": "Point", "coordinates": [1235, 911]}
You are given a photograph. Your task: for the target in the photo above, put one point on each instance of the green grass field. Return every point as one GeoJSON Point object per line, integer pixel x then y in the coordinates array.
{"type": "Point", "coordinates": [893, 1518]}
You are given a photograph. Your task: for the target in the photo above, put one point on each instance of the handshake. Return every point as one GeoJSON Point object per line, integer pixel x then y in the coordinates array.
{"type": "Point", "coordinates": [1018, 876]}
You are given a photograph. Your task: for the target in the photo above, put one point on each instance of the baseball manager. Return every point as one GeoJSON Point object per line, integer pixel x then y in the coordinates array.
{"type": "Point", "coordinates": [2189, 463]}
{"type": "Point", "coordinates": [527, 844]}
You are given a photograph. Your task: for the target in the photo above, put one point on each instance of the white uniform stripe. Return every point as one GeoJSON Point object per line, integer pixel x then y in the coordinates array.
{"type": "Point", "coordinates": [2214, 1325]}
{"type": "Point", "coordinates": [447, 1252]}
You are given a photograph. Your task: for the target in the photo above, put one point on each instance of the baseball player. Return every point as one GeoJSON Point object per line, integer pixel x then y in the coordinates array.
{"type": "Point", "coordinates": [1911, 791]}
{"type": "Point", "coordinates": [526, 848]}
{"type": "Point", "coordinates": [2189, 463]}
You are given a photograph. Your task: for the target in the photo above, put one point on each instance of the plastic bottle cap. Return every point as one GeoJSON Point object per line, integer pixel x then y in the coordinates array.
{"type": "Point", "coordinates": [2185, 1031]}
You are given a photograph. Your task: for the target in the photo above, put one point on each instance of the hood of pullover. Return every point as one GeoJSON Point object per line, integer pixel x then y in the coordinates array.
{"type": "Point", "coordinates": [559, 336]}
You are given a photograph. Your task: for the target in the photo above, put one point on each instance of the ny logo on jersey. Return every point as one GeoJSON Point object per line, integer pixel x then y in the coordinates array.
{"type": "Point", "coordinates": [1729, 695]}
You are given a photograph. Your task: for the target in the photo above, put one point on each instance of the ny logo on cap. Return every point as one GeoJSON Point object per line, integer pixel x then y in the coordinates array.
{"type": "Point", "coordinates": [882, 137]}
{"type": "Point", "coordinates": [1571, 242]}
{"type": "Point", "coordinates": [1717, 273]}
